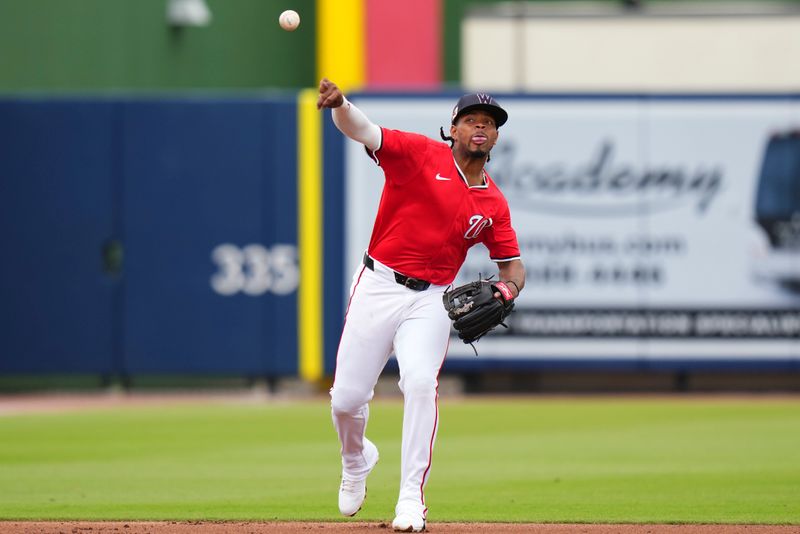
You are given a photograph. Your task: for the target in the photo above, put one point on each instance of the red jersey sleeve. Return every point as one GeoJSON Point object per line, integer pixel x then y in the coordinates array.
{"type": "Point", "coordinates": [501, 239]}
{"type": "Point", "coordinates": [401, 154]}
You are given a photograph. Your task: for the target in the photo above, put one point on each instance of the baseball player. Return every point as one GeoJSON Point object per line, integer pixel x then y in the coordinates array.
{"type": "Point", "coordinates": [437, 202]}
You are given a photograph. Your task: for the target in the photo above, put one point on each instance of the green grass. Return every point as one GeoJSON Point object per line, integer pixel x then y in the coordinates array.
{"type": "Point", "coordinates": [519, 459]}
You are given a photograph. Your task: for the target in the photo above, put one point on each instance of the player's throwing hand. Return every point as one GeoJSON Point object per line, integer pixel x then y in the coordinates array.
{"type": "Point", "coordinates": [330, 96]}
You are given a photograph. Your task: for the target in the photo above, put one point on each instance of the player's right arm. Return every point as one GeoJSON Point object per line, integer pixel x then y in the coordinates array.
{"type": "Point", "coordinates": [350, 120]}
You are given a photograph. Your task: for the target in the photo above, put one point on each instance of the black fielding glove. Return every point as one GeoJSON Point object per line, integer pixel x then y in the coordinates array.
{"type": "Point", "coordinates": [474, 309]}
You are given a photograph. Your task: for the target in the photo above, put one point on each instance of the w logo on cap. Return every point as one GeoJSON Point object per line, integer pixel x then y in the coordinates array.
{"type": "Point", "coordinates": [483, 98]}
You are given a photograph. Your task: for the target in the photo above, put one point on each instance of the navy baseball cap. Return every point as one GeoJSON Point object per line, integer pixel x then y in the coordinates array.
{"type": "Point", "coordinates": [481, 101]}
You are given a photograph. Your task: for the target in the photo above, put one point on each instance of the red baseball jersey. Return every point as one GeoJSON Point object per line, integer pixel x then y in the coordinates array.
{"type": "Point", "coordinates": [429, 216]}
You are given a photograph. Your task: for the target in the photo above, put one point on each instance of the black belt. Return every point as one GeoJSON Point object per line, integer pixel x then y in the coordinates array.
{"type": "Point", "coordinates": [414, 284]}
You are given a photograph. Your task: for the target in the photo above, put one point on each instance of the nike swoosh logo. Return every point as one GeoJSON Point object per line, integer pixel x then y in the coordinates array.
{"type": "Point", "coordinates": [440, 177]}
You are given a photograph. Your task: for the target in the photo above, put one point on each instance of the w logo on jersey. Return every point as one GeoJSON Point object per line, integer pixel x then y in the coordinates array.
{"type": "Point", "coordinates": [476, 225]}
{"type": "Point", "coordinates": [483, 98]}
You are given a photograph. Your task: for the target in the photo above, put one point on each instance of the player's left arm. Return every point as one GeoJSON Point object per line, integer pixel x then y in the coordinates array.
{"type": "Point", "coordinates": [512, 274]}
{"type": "Point", "coordinates": [501, 240]}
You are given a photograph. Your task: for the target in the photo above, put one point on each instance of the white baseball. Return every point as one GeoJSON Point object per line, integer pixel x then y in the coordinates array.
{"type": "Point", "coordinates": [289, 20]}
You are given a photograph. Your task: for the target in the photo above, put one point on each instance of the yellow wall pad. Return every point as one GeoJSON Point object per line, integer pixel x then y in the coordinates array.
{"type": "Point", "coordinates": [309, 225]}
{"type": "Point", "coordinates": [340, 42]}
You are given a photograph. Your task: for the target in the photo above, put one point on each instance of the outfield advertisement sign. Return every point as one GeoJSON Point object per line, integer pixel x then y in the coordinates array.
{"type": "Point", "coordinates": [664, 228]}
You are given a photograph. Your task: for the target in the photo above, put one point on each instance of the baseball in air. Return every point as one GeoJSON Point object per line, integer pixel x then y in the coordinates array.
{"type": "Point", "coordinates": [289, 20]}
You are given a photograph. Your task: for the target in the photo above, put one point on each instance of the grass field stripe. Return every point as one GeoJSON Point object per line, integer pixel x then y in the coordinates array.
{"type": "Point", "coordinates": [340, 42]}
{"type": "Point", "coordinates": [309, 225]}
{"type": "Point", "coordinates": [563, 459]}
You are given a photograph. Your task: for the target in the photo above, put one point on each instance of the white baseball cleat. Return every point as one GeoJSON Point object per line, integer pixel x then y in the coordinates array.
{"type": "Point", "coordinates": [408, 522]}
{"type": "Point", "coordinates": [352, 492]}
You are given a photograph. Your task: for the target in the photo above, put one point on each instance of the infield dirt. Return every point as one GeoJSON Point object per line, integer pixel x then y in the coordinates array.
{"type": "Point", "coordinates": [199, 527]}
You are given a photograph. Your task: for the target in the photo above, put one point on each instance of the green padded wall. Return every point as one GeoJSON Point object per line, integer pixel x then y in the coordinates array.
{"type": "Point", "coordinates": [78, 45]}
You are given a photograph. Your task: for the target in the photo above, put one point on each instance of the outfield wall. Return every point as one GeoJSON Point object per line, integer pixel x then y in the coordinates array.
{"type": "Point", "coordinates": [183, 236]}
{"type": "Point", "coordinates": [148, 236]}
{"type": "Point", "coordinates": [657, 231]}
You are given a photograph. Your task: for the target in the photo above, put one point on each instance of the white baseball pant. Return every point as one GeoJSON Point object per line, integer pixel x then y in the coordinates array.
{"type": "Point", "coordinates": [384, 317]}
